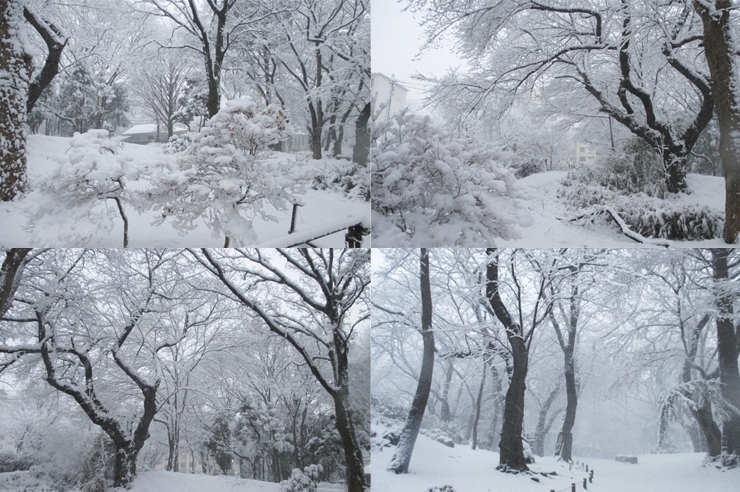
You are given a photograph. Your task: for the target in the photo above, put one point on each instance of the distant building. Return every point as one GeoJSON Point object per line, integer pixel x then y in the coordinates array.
{"type": "Point", "coordinates": [586, 153]}
{"type": "Point", "coordinates": [146, 133]}
{"type": "Point", "coordinates": [388, 91]}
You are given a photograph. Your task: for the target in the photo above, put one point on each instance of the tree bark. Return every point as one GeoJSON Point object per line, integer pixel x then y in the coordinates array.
{"type": "Point", "coordinates": [512, 450]}
{"type": "Point", "coordinates": [400, 461]}
{"type": "Point", "coordinates": [361, 150]}
{"type": "Point", "coordinates": [10, 274]}
{"type": "Point", "coordinates": [727, 348]}
{"type": "Point", "coordinates": [724, 66]}
{"type": "Point", "coordinates": [15, 69]}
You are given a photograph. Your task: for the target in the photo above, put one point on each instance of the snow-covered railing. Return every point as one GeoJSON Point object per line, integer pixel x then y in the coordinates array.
{"type": "Point", "coordinates": [356, 226]}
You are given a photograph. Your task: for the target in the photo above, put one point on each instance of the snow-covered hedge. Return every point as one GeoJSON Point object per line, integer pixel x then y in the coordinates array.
{"type": "Point", "coordinates": [647, 215]}
{"type": "Point", "coordinates": [223, 179]}
{"type": "Point", "coordinates": [435, 187]}
{"type": "Point", "coordinates": [10, 462]}
{"type": "Point", "coordinates": [342, 176]}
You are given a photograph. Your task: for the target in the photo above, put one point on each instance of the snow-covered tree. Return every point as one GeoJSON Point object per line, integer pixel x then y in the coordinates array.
{"type": "Point", "coordinates": [433, 186]}
{"type": "Point", "coordinates": [402, 457]}
{"type": "Point", "coordinates": [223, 174]}
{"type": "Point", "coordinates": [92, 171]}
{"type": "Point", "coordinates": [323, 302]}
{"type": "Point", "coordinates": [629, 59]}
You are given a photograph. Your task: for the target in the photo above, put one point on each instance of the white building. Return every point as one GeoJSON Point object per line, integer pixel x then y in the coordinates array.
{"type": "Point", "coordinates": [388, 91]}
{"type": "Point", "coordinates": [586, 153]}
{"type": "Point", "coordinates": [146, 133]}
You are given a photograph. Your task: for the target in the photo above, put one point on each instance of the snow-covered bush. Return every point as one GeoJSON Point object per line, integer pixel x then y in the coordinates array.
{"type": "Point", "coordinates": [223, 179]}
{"type": "Point", "coordinates": [443, 488]}
{"type": "Point", "coordinates": [10, 461]}
{"type": "Point", "coordinates": [343, 176]}
{"type": "Point", "coordinates": [302, 481]}
{"type": "Point", "coordinates": [435, 187]}
{"type": "Point", "coordinates": [635, 169]}
{"type": "Point", "coordinates": [92, 172]}
{"type": "Point", "coordinates": [647, 215]}
{"type": "Point", "coordinates": [178, 143]}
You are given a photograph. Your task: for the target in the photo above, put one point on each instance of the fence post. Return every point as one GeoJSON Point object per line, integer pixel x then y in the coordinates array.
{"type": "Point", "coordinates": [572, 487]}
{"type": "Point", "coordinates": [292, 218]}
{"type": "Point", "coordinates": [353, 238]}
{"type": "Point", "coordinates": [591, 476]}
{"type": "Point", "coordinates": [585, 484]}
{"type": "Point", "coordinates": [586, 468]}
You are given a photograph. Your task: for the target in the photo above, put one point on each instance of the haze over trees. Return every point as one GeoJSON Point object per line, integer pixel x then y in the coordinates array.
{"type": "Point", "coordinates": [644, 343]}
{"type": "Point", "coordinates": [155, 359]}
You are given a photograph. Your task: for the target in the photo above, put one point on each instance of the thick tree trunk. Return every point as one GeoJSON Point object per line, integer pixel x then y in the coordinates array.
{"type": "Point", "coordinates": [125, 470]}
{"type": "Point", "coordinates": [512, 450]}
{"type": "Point", "coordinates": [362, 137]}
{"type": "Point", "coordinates": [15, 68]}
{"type": "Point", "coordinates": [350, 443]}
{"type": "Point", "coordinates": [720, 50]}
{"type": "Point", "coordinates": [400, 461]}
{"type": "Point", "coordinates": [727, 348]}
{"type": "Point", "coordinates": [709, 429]}
{"type": "Point", "coordinates": [674, 166]}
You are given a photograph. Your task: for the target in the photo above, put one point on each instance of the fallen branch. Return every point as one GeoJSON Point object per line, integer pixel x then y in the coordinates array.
{"type": "Point", "coordinates": [624, 228]}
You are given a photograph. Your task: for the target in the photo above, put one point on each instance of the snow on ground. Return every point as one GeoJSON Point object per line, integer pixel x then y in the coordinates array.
{"type": "Point", "coordinates": [434, 464]}
{"type": "Point", "coordinates": [321, 207]}
{"type": "Point", "coordinates": [540, 191]}
{"type": "Point", "coordinates": [161, 481]}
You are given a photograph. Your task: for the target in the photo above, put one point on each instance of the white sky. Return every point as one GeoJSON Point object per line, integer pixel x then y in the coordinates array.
{"type": "Point", "coordinates": [396, 38]}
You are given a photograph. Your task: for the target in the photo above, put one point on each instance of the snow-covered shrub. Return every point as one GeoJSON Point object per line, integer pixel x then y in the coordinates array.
{"type": "Point", "coordinates": [528, 454]}
{"type": "Point", "coordinates": [92, 172]}
{"type": "Point", "coordinates": [637, 168]}
{"type": "Point", "coordinates": [222, 178]}
{"type": "Point", "coordinates": [435, 187]}
{"type": "Point", "coordinates": [10, 461]}
{"type": "Point", "coordinates": [178, 143]}
{"type": "Point", "coordinates": [302, 481]}
{"type": "Point", "coordinates": [443, 488]}
{"type": "Point", "coordinates": [647, 215]}
{"type": "Point", "coordinates": [343, 176]}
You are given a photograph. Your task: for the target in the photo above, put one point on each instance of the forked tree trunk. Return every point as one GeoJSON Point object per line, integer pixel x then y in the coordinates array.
{"type": "Point", "coordinates": [400, 461]}
{"type": "Point", "coordinates": [720, 50]}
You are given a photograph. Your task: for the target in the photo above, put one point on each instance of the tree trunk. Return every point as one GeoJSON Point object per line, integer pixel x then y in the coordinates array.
{"type": "Point", "coordinates": [512, 450]}
{"type": "Point", "coordinates": [478, 404]}
{"type": "Point", "coordinates": [564, 446]}
{"type": "Point", "coordinates": [727, 348]}
{"type": "Point", "coordinates": [15, 68]}
{"type": "Point", "coordinates": [674, 166]}
{"type": "Point", "coordinates": [350, 443]}
{"type": "Point", "coordinates": [445, 414]}
{"type": "Point", "coordinates": [10, 274]}
{"type": "Point", "coordinates": [542, 422]}
{"type": "Point", "coordinates": [709, 428]}
{"type": "Point", "coordinates": [362, 137]}
{"type": "Point", "coordinates": [724, 67]}
{"type": "Point", "coordinates": [400, 461]}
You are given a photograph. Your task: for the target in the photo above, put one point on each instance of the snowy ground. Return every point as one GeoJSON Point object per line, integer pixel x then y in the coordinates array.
{"type": "Point", "coordinates": [434, 464]}
{"type": "Point", "coordinates": [162, 481]}
{"type": "Point", "coordinates": [551, 228]}
{"type": "Point", "coordinates": [321, 207]}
